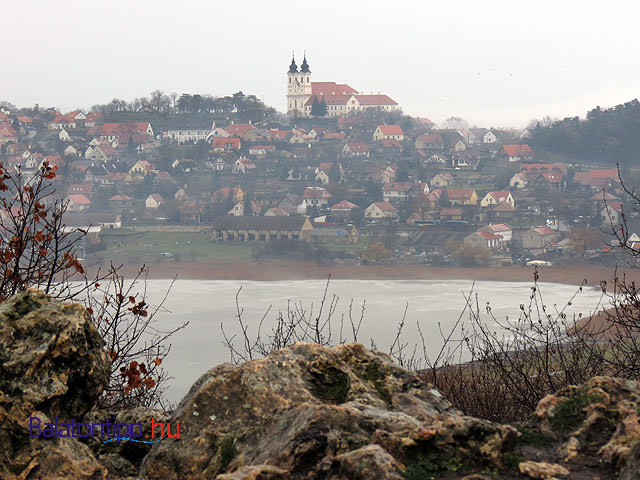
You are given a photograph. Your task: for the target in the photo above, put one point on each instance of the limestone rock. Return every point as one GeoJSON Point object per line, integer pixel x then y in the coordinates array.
{"type": "Point", "coordinates": [52, 364]}
{"type": "Point", "coordinates": [320, 412]}
{"type": "Point", "coordinates": [543, 470]}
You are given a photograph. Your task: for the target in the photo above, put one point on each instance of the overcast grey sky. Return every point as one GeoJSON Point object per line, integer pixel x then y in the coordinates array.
{"type": "Point", "coordinates": [494, 63]}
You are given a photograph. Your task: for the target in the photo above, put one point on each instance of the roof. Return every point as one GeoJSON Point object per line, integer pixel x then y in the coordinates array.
{"type": "Point", "coordinates": [542, 167]}
{"type": "Point", "coordinates": [430, 138]}
{"type": "Point", "coordinates": [390, 129]}
{"type": "Point", "coordinates": [120, 198]}
{"type": "Point", "coordinates": [544, 230]}
{"type": "Point", "coordinates": [517, 150]}
{"type": "Point", "coordinates": [390, 143]}
{"type": "Point", "coordinates": [356, 147]}
{"type": "Point", "coordinates": [292, 223]}
{"type": "Point", "coordinates": [450, 211]}
{"type": "Point", "coordinates": [79, 199]}
{"type": "Point", "coordinates": [239, 129]}
{"type": "Point", "coordinates": [385, 206]}
{"type": "Point", "coordinates": [500, 196]}
{"type": "Point", "coordinates": [124, 127]}
{"type": "Point", "coordinates": [224, 142]}
{"type": "Point", "coordinates": [595, 177]}
{"type": "Point", "coordinates": [397, 187]}
{"type": "Point", "coordinates": [499, 227]}
{"type": "Point", "coordinates": [344, 205]}
{"type": "Point", "coordinates": [553, 177]}
{"type": "Point", "coordinates": [489, 236]}
{"type": "Point", "coordinates": [459, 193]}
{"type": "Point", "coordinates": [375, 100]}
{"type": "Point", "coordinates": [315, 193]}
{"type": "Point", "coordinates": [156, 196]}
{"type": "Point", "coordinates": [80, 188]}
{"type": "Point", "coordinates": [331, 88]}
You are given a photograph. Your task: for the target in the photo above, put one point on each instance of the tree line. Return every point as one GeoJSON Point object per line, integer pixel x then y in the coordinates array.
{"type": "Point", "coordinates": [607, 135]}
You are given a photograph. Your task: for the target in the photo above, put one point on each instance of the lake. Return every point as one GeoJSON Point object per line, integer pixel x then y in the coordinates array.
{"type": "Point", "coordinates": [207, 305]}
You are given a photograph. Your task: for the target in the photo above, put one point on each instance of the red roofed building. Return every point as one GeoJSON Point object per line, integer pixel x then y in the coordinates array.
{"type": "Point", "coordinates": [111, 131]}
{"type": "Point", "coordinates": [388, 132]}
{"type": "Point", "coordinates": [597, 178]}
{"type": "Point", "coordinates": [340, 99]}
{"type": "Point", "coordinates": [7, 133]}
{"type": "Point", "coordinates": [462, 196]}
{"type": "Point", "coordinates": [538, 238]}
{"type": "Point", "coordinates": [380, 211]}
{"type": "Point", "coordinates": [78, 203]}
{"type": "Point", "coordinates": [517, 153]}
{"type": "Point", "coordinates": [543, 168]}
{"type": "Point", "coordinates": [316, 196]}
{"type": "Point", "coordinates": [80, 189]}
{"type": "Point", "coordinates": [396, 191]}
{"type": "Point", "coordinates": [225, 144]}
{"type": "Point", "coordinates": [355, 149]}
{"type": "Point", "coordinates": [239, 129]}
{"type": "Point", "coordinates": [343, 209]}
{"type": "Point", "coordinates": [484, 240]}
{"type": "Point", "coordinates": [496, 198]}
{"type": "Point", "coordinates": [431, 141]}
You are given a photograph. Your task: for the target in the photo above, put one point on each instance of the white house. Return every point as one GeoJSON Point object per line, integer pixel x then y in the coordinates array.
{"type": "Point", "coordinates": [388, 132]}
{"type": "Point", "coordinates": [154, 201]}
{"type": "Point", "coordinates": [496, 198]}
{"type": "Point", "coordinates": [380, 210]}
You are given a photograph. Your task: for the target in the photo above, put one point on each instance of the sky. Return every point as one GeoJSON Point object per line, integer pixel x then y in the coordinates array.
{"type": "Point", "coordinates": [494, 63]}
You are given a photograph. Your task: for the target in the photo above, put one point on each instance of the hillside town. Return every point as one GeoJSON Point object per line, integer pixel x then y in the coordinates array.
{"type": "Point", "coordinates": [343, 169]}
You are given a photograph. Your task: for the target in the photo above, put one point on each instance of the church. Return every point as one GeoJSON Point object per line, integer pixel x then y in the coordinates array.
{"type": "Point", "coordinates": [334, 99]}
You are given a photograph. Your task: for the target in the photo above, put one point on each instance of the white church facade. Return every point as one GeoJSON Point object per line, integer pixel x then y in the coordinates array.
{"type": "Point", "coordinates": [336, 99]}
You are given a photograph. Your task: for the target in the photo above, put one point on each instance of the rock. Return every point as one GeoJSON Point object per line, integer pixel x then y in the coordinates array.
{"type": "Point", "coordinates": [632, 467]}
{"type": "Point", "coordinates": [597, 419]}
{"type": "Point", "coordinates": [256, 472]}
{"type": "Point", "coordinates": [542, 470]}
{"type": "Point", "coordinates": [52, 365]}
{"type": "Point", "coordinates": [320, 412]}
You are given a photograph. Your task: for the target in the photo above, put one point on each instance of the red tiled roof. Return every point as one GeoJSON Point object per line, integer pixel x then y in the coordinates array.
{"type": "Point", "coordinates": [239, 129]}
{"type": "Point", "coordinates": [500, 196]}
{"type": "Point", "coordinates": [544, 230]}
{"type": "Point", "coordinates": [390, 143]}
{"type": "Point", "coordinates": [459, 193]}
{"type": "Point", "coordinates": [489, 236]}
{"type": "Point", "coordinates": [499, 227]}
{"type": "Point", "coordinates": [226, 142]}
{"type": "Point", "coordinates": [390, 129]}
{"type": "Point", "coordinates": [344, 205]}
{"type": "Point", "coordinates": [315, 193]}
{"type": "Point", "coordinates": [331, 88]}
{"type": "Point", "coordinates": [542, 167]}
{"type": "Point", "coordinates": [517, 150]}
{"type": "Point", "coordinates": [375, 100]}
{"type": "Point", "coordinates": [385, 206]}
{"type": "Point", "coordinates": [124, 128]}
{"type": "Point", "coordinates": [397, 187]}
{"type": "Point", "coordinates": [120, 198]}
{"type": "Point", "coordinates": [80, 188]}
{"type": "Point", "coordinates": [79, 199]}
{"type": "Point", "coordinates": [431, 138]}
{"type": "Point", "coordinates": [552, 177]}
{"type": "Point", "coordinates": [357, 147]}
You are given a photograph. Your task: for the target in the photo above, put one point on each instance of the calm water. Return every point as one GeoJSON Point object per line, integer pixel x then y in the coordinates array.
{"type": "Point", "coordinates": [208, 304]}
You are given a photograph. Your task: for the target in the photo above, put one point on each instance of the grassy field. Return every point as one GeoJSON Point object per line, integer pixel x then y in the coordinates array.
{"type": "Point", "coordinates": [148, 247]}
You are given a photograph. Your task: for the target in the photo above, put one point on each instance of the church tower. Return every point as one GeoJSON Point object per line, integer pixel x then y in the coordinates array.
{"type": "Point", "coordinates": [298, 87]}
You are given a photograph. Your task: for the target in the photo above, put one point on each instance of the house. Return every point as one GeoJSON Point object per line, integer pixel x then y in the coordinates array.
{"type": "Point", "coordinates": [140, 169]}
{"type": "Point", "coordinates": [390, 132]}
{"type": "Point", "coordinates": [441, 180]}
{"type": "Point", "coordinates": [343, 209]}
{"type": "Point", "coordinates": [276, 212]}
{"type": "Point", "coordinates": [120, 201]}
{"type": "Point", "coordinates": [462, 196]}
{"type": "Point", "coordinates": [502, 229]}
{"type": "Point", "coordinates": [225, 144]}
{"type": "Point", "coordinates": [154, 201]}
{"type": "Point", "coordinates": [78, 203]}
{"type": "Point", "coordinates": [484, 240]}
{"type": "Point", "coordinates": [70, 151]}
{"type": "Point", "coordinates": [85, 189]}
{"type": "Point", "coordinates": [293, 204]}
{"type": "Point", "coordinates": [543, 168]}
{"type": "Point", "coordinates": [221, 195]}
{"type": "Point", "coordinates": [86, 220]}
{"type": "Point", "coordinates": [261, 228]}
{"type": "Point", "coordinates": [611, 214]}
{"type": "Point", "coordinates": [451, 213]}
{"type": "Point", "coordinates": [261, 149]}
{"type": "Point", "coordinates": [498, 197]}
{"type": "Point", "coordinates": [316, 196]}
{"type": "Point", "coordinates": [435, 160]}
{"type": "Point", "coordinates": [431, 141]}
{"type": "Point", "coordinates": [102, 153]}
{"type": "Point", "coordinates": [517, 153]}
{"type": "Point", "coordinates": [189, 134]}
{"type": "Point", "coordinates": [355, 149]}
{"type": "Point", "coordinates": [7, 133]}
{"type": "Point", "coordinates": [111, 131]}
{"type": "Point", "coordinates": [322, 177]}
{"type": "Point", "coordinates": [380, 211]}
{"type": "Point", "coordinates": [243, 166]}
{"type": "Point", "coordinates": [519, 180]}
{"type": "Point", "coordinates": [239, 129]}
{"type": "Point", "coordinates": [482, 135]}
{"type": "Point", "coordinates": [396, 191]}
{"type": "Point", "coordinates": [597, 178]}
{"type": "Point", "coordinates": [538, 238]}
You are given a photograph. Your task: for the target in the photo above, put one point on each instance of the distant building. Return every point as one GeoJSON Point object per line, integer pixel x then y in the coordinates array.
{"type": "Point", "coordinates": [261, 228]}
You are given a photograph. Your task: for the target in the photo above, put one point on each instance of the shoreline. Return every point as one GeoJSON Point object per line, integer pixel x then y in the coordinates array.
{"type": "Point", "coordinates": [275, 270]}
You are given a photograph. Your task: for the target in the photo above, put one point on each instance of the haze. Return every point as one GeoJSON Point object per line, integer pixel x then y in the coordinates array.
{"type": "Point", "coordinates": [492, 63]}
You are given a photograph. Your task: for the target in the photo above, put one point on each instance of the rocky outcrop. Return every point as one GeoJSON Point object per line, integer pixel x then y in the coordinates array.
{"type": "Point", "coordinates": [326, 413]}
{"type": "Point", "coordinates": [52, 365]}
{"type": "Point", "coordinates": [305, 411]}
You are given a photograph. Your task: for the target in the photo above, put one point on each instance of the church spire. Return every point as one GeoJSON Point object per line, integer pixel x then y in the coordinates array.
{"type": "Point", "coordinates": [304, 68]}
{"type": "Point", "coordinates": [293, 68]}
